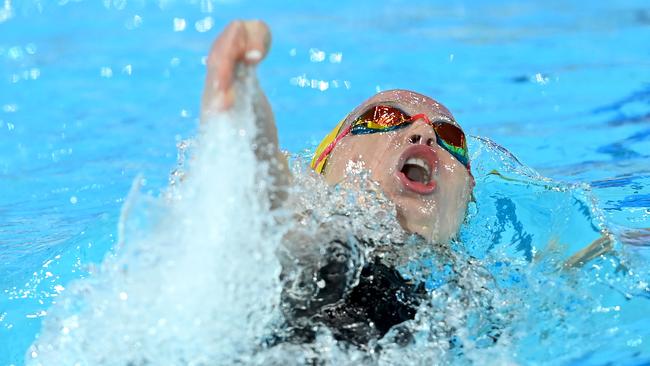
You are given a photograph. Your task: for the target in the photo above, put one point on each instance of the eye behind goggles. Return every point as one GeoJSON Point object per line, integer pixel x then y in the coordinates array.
{"type": "Point", "coordinates": [382, 118]}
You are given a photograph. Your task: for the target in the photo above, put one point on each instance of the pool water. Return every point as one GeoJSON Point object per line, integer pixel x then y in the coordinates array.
{"type": "Point", "coordinates": [94, 94]}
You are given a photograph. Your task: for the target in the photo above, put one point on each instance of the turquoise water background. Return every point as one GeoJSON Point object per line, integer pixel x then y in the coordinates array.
{"type": "Point", "coordinates": [94, 93]}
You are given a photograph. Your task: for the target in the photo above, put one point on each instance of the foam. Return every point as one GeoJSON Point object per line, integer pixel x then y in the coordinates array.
{"type": "Point", "coordinates": [195, 277]}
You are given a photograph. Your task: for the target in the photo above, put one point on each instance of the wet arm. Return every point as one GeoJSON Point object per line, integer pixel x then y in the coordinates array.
{"type": "Point", "coordinates": [605, 244]}
{"type": "Point", "coordinates": [245, 43]}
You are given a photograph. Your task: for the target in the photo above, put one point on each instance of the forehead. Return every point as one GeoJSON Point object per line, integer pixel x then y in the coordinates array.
{"type": "Point", "coordinates": [409, 102]}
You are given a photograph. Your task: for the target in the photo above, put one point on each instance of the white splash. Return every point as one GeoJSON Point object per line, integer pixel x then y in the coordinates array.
{"type": "Point", "coordinates": [194, 278]}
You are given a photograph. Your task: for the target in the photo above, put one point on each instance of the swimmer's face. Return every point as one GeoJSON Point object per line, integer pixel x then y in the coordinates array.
{"type": "Point", "coordinates": [430, 200]}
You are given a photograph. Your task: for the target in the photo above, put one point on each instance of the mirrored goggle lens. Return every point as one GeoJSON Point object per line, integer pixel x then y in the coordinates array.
{"type": "Point", "coordinates": [451, 134]}
{"type": "Point", "coordinates": [385, 118]}
{"type": "Point", "coordinates": [388, 116]}
{"type": "Point", "coordinates": [380, 117]}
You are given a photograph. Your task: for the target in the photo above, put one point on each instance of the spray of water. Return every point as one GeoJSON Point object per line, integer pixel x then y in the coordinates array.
{"type": "Point", "coordinates": [196, 277]}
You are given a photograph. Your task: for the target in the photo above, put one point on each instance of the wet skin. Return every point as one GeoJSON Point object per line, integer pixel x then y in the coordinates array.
{"type": "Point", "coordinates": [434, 210]}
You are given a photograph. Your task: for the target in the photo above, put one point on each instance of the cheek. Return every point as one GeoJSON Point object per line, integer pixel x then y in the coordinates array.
{"type": "Point", "coordinates": [356, 149]}
{"type": "Point", "coordinates": [378, 152]}
{"type": "Point", "coordinates": [384, 167]}
{"type": "Point", "coordinates": [453, 180]}
{"type": "Point", "coordinates": [458, 191]}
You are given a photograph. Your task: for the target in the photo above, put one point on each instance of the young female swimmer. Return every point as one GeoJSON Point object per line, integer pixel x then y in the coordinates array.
{"type": "Point", "coordinates": [417, 153]}
{"type": "Point", "coordinates": [412, 145]}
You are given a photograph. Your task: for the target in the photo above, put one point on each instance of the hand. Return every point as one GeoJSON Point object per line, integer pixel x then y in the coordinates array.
{"type": "Point", "coordinates": [245, 41]}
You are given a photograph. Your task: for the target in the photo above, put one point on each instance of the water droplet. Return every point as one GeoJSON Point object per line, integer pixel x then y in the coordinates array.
{"type": "Point", "coordinates": [175, 61]}
{"type": "Point", "coordinates": [119, 4]}
{"type": "Point", "coordinates": [179, 24]}
{"type": "Point", "coordinates": [6, 11]}
{"type": "Point", "coordinates": [73, 200]}
{"type": "Point", "coordinates": [123, 296]}
{"type": "Point", "coordinates": [34, 73]}
{"type": "Point", "coordinates": [204, 24]}
{"type": "Point", "coordinates": [15, 53]}
{"type": "Point", "coordinates": [323, 85]}
{"type": "Point", "coordinates": [206, 6]}
{"type": "Point", "coordinates": [316, 55]}
{"type": "Point", "coordinates": [30, 48]}
{"type": "Point", "coordinates": [128, 69]}
{"type": "Point", "coordinates": [133, 23]}
{"type": "Point", "coordinates": [541, 79]}
{"type": "Point", "coordinates": [336, 57]}
{"type": "Point", "coordinates": [300, 80]}
{"type": "Point", "coordinates": [292, 52]}
{"type": "Point", "coordinates": [10, 108]}
{"type": "Point", "coordinates": [106, 72]}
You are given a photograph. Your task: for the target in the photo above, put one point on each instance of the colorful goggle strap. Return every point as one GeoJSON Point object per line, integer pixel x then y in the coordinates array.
{"type": "Point", "coordinates": [326, 146]}
{"type": "Point", "coordinates": [331, 140]}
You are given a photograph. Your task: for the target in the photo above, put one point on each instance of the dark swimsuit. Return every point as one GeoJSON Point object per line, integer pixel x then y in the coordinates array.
{"type": "Point", "coordinates": [381, 299]}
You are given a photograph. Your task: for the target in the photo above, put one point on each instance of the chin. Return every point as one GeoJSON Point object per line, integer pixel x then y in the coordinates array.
{"type": "Point", "coordinates": [414, 220]}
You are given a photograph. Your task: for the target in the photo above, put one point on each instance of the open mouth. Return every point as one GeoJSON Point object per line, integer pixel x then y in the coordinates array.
{"type": "Point", "coordinates": [416, 169]}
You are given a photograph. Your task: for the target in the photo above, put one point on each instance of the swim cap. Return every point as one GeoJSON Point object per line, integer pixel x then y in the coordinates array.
{"type": "Point", "coordinates": [319, 165]}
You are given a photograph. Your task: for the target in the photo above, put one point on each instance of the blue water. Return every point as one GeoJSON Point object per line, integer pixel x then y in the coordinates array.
{"type": "Point", "coordinates": [94, 93]}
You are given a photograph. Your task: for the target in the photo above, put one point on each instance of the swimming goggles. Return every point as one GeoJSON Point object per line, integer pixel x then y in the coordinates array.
{"type": "Point", "coordinates": [383, 118]}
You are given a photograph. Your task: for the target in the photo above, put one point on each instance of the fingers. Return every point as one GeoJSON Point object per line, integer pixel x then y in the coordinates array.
{"type": "Point", "coordinates": [258, 41]}
{"type": "Point", "coordinates": [241, 41]}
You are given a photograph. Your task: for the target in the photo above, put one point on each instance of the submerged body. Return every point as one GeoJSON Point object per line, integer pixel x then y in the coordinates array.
{"type": "Point", "coordinates": [379, 299]}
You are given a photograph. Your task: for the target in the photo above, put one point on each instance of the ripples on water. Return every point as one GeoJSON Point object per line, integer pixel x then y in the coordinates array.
{"type": "Point", "coordinates": [194, 279]}
{"type": "Point", "coordinates": [87, 105]}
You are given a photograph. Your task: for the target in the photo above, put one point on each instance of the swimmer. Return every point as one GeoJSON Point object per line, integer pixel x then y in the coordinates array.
{"type": "Point", "coordinates": [415, 150]}
{"type": "Point", "coordinates": [412, 147]}
{"type": "Point", "coordinates": [412, 144]}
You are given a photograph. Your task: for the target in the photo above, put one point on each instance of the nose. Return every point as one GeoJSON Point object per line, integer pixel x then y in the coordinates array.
{"type": "Point", "coordinates": [420, 132]}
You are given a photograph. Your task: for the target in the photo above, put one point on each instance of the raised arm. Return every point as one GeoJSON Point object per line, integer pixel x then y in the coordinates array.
{"type": "Point", "coordinates": [245, 43]}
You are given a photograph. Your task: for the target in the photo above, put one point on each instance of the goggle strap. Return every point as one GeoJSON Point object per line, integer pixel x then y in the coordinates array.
{"type": "Point", "coordinates": [418, 116]}
{"type": "Point", "coordinates": [330, 147]}
{"type": "Point", "coordinates": [462, 159]}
